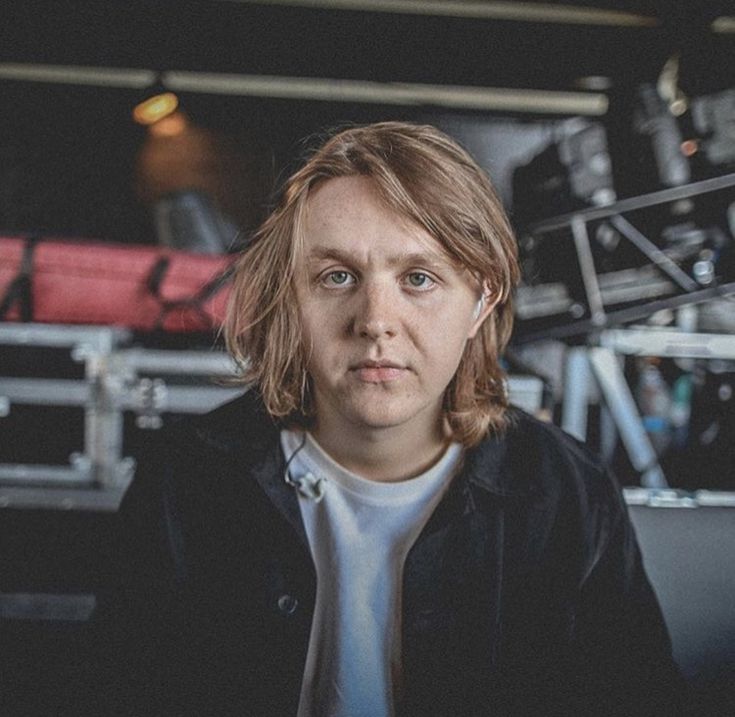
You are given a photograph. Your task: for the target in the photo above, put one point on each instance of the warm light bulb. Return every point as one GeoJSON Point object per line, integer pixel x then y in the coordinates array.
{"type": "Point", "coordinates": [155, 108]}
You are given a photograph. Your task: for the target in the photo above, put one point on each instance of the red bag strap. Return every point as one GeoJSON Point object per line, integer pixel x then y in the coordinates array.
{"type": "Point", "coordinates": [20, 289]}
{"type": "Point", "coordinates": [196, 302]}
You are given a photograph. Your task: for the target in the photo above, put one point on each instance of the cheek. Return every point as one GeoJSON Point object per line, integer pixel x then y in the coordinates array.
{"type": "Point", "coordinates": [321, 315]}
{"type": "Point", "coordinates": [321, 333]}
{"type": "Point", "coordinates": [443, 344]}
{"type": "Point", "coordinates": [444, 328]}
{"type": "Point", "coordinates": [315, 320]}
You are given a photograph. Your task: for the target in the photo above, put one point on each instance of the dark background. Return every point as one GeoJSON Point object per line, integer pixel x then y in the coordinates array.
{"type": "Point", "coordinates": [69, 153]}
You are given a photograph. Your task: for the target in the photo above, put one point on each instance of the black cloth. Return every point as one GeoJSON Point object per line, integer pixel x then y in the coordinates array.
{"type": "Point", "coordinates": [524, 594]}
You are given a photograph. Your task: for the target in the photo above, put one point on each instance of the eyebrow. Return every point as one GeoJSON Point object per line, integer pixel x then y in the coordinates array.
{"type": "Point", "coordinates": [319, 253]}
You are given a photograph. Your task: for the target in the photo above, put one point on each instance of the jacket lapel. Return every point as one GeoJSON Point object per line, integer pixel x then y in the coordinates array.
{"type": "Point", "coordinates": [270, 474]}
{"type": "Point", "coordinates": [244, 434]}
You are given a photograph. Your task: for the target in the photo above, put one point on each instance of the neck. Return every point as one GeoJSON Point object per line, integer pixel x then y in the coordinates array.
{"type": "Point", "coordinates": [382, 454]}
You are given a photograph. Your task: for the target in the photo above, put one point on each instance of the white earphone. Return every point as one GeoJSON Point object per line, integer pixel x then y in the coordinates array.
{"type": "Point", "coordinates": [479, 307]}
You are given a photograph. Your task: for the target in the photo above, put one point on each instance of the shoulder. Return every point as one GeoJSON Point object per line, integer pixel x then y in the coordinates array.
{"type": "Point", "coordinates": [555, 490]}
{"type": "Point", "coordinates": [240, 425]}
{"type": "Point", "coordinates": [208, 454]}
{"type": "Point", "coordinates": [539, 460]}
{"type": "Point", "coordinates": [551, 447]}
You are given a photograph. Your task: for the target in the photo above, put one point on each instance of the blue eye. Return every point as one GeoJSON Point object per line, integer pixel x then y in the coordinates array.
{"type": "Point", "coordinates": [419, 280]}
{"type": "Point", "coordinates": [338, 278]}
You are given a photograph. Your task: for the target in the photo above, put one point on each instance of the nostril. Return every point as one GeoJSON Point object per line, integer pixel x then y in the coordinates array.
{"type": "Point", "coordinates": [376, 329]}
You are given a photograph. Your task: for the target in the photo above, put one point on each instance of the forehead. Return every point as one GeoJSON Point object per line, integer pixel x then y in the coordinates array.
{"type": "Point", "coordinates": [348, 214]}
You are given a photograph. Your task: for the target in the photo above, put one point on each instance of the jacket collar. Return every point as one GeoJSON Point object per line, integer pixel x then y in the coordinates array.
{"type": "Point", "coordinates": [246, 431]}
{"type": "Point", "coordinates": [270, 474]}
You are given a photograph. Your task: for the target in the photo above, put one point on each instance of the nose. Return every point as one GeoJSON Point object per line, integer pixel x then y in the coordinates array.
{"type": "Point", "coordinates": [376, 315]}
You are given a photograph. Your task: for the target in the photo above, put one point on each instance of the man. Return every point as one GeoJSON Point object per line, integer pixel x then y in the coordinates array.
{"type": "Point", "coordinates": [371, 530]}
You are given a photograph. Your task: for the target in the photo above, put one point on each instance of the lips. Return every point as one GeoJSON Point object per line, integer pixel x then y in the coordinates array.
{"type": "Point", "coordinates": [378, 371]}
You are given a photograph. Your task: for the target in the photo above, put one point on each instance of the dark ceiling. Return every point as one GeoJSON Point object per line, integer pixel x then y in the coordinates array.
{"type": "Point", "coordinates": [236, 37]}
{"type": "Point", "coordinates": [68, 152]}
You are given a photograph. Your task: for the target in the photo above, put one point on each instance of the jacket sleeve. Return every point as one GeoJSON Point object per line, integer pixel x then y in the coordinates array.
{"type": "Point", "coordinates": [138, 623]}
{"type": "Point", "coordinates": [624, 662]}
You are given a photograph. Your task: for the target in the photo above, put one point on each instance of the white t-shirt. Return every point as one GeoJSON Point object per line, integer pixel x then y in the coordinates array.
{"type": "Point", "coordinates": [359, 532]}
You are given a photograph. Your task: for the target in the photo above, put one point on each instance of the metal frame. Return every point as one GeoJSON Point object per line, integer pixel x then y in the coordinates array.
{"type": "Point", "coordinates": [97, 477]}
{"type": "Point", "coordinates": [577, 222]}
{"type": "Point", "coordinates": [602, 364]}
{"type": "Point", "coordinates": [664, 196]}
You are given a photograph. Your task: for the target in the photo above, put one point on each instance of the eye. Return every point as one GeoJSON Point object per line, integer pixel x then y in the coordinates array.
{"type": "Point", "coordinates": [419, 280]}
{"type": "Point", "coordinates": [338, 278]}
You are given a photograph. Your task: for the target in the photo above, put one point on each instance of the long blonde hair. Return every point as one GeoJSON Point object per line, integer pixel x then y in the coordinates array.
{"type": "Point", "coordinates": [425, 176]}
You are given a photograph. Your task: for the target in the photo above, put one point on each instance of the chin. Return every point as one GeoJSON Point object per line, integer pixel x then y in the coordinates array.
{"type": "Point", "coordinates": [388, 415]}
{"type": "Point", "coordinates": [381, 421]}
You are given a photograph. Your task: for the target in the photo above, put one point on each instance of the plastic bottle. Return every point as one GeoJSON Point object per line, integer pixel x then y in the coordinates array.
{"type": "Point", "coordinates": [681, 409]}
{"type": "Point", "coordinates": [654, 401]}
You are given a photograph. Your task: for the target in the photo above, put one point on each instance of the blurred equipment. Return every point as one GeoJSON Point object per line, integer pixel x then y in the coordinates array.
{"type": "Point", "coordinates": [714, 120]}
{"type": "Point", "coordinates": [574, 171]}
{"type": "Point", "coordinates": [189, 220]}
{"type": "Point", "coordinates": [654, 400]}
{"type": "Point", "coordinates": [593, 264]}
{"type": "Point", "coordinates": [646, 427]}
{"type": "Point", "coordinates": [655, 121]}
{"type": "Point", "coordinates": [707, 450]}
{"type": "Point", "coordinates": [606, 266]}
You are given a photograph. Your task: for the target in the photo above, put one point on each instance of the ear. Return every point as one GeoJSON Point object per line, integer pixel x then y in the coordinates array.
{"type": "Point", "coordinates": [487, 302]}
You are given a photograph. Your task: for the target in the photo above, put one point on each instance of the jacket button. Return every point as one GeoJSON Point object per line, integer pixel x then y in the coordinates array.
{"type": "Point", "coordinates": [287, 604]}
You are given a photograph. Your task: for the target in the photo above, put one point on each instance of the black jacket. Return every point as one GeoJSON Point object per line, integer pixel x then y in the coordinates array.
{"type": "Point", "coordinates": [524, 594]}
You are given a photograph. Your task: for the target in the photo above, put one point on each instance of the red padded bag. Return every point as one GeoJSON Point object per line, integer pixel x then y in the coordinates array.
{"type": "Point", "coordinates": [135, 286]}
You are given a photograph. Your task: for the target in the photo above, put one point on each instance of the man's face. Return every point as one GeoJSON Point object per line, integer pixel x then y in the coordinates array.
{"type": "Point", "coordinates": [384, 310]}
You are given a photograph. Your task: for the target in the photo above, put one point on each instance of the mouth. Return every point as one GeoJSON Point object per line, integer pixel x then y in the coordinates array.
{"type": "Point", "coordinates": [378, 371]}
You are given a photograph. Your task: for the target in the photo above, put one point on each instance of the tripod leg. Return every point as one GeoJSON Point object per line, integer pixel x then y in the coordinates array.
{"type": "Point", "coordinates": [577, 379]}
{"type": "Point", "coordinates": [619, 400]}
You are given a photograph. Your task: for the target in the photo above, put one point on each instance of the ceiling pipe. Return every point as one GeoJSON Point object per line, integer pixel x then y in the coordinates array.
{"type": "Point", "coordinates": [487, 10]}
{"type": "Point", "coordinates": [498, 99]}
